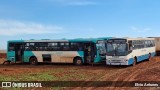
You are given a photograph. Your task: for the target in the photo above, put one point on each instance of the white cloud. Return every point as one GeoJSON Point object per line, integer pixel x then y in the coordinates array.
{"type": "Point", "coordinates": [140, 29]}
{"type": "Point", "coordinates": [74, 2]}
{"type": "Point", "coordinates": [13, 27]}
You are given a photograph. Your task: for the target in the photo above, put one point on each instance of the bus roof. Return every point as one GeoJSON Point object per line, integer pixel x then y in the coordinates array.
{"type": "Point", "coordinates": [66, 40]}
{"type": "Point", "coordinates": [38, 41]}
{"type": "Point", "coordinates": [89, 39]}
{"type": "Point", "coordinates": [135, 38]}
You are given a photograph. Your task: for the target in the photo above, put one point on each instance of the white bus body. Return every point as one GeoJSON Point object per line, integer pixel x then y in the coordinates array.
{"type": "Point", "coordinates": [137, 49]}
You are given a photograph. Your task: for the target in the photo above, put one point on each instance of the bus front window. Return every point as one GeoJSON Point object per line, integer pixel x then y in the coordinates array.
{"type": "Point", "coordinates": [117, 49]}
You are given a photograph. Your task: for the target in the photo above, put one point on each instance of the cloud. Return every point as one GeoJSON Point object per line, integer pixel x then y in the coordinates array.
{"type": "Point", "coordinates": [140, 29]}
{"type": "Point", "coordinates": [74, 2]}
{"type": "Point", "coordinates": [13, 27]}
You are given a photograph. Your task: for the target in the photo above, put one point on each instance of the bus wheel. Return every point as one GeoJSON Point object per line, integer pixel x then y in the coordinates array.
{"type": "Point", "coordinates": [135, 61]}
{"type": "Point", "coordinates": [149, 56]}
{"type": "Point", "coordinates": [33, 61]}
{"type": "Point", "coordinates": [77, 61]}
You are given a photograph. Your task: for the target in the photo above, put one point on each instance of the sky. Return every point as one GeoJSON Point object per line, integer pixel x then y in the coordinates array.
{"type": "Point", "coordinates": [57, 19]}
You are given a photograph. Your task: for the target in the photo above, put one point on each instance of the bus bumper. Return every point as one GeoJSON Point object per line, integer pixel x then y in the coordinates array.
{"type": "Point", "coordinates": [117, 63]}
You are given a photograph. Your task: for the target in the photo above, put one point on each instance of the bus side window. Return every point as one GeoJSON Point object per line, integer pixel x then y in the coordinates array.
{"type": "Point", "coordinates": [61, 46]}
{"type": "Point", "coordinates": [74, 46]}
{"type": "Point", "coordinates": [146, 44]}
{"type": "Point", "coordinates": [53, 46]}
{"type": "Point", "coordinates": [151, 42]}
{"type": "Point", "coordinates": [80, 46]}
{"type": "Point", "coordinates": [11, 47]}
{"type": "Point", "coordinates": [50, 47]}
{"type": "Point", "coordinates": [32, 46]}
{"type": "Point", "coordinates": [27, 47]}
{"type": "Point", "coordinates": [130, 45]}
{"type": "Point", "coordinates": [43, 46]}
{"type": "Point", "coordinates": [66, 47]}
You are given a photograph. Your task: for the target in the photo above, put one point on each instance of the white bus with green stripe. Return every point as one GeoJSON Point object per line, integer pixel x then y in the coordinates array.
{"type": "Point", "coordinates": [77, 51]}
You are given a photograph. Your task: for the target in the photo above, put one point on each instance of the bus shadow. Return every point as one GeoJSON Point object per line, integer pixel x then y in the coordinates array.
{"type": "Point", "coordinates": [95, 65]}
{"type": "Point", "coordinates": [111, 66]}
{"type": "Point", "coordinates": [56, 64]}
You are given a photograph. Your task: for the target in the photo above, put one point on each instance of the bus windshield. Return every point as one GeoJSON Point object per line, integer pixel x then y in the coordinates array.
{"type": "Point", "coordinates": [101, 48]}
{"type": "Point", "coordinates": [117, 49]}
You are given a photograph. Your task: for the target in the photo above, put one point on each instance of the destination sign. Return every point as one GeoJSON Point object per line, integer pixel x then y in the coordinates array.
{"type": "Point", "coordinates": [100, 41]}
{"type": "Point", "coordinates": [117, 41]}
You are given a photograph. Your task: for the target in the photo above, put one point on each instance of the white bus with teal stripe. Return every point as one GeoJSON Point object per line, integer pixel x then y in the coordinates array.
{"type": "Point", "coordinates": [129, 51]}
{"type": "Point", "coordinates": [77, 51]}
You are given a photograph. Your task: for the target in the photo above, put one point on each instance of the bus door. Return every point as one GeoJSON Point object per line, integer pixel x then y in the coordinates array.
{"type": "Point", "coordinates": [89, 52]}
{"type": "Point", "coordinates": [19, 51]}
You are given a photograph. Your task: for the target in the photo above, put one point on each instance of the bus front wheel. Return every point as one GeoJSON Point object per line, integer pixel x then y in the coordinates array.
{"type": "Point", "coordinates": [77, 61]}
{"type": "Point", "coordinates": [33, 61]}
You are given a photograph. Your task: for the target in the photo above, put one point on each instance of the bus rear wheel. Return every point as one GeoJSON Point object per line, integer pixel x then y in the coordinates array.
{"type": "Point", "coordinates": [33, 61]}
{"type": "Point", "coordinates": [77, 61]}
{"type": "Point", "coordinates": [149, 56]}
{"type": "Point", "coordinates": [135, 61]}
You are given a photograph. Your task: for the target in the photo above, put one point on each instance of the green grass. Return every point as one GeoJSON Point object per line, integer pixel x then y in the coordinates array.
{"type": "Point", "coordinates": [38, 77]}
{"type": "Point", "coordinates": [29, 77]}
{"type": "Point", "coordinates": [6, 78]}
{"type": "Point", "coordinates": [59, 74]}
{"type": "Point", "coordinates": [14, 89]}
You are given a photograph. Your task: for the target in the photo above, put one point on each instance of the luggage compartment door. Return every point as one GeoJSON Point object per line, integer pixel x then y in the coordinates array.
{"type": "Point", "coordinates": [46, 57]}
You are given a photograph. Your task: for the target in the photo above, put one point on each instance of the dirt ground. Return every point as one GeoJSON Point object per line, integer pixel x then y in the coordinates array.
{"type": "Point", "coordinates": [143, 71]}
{"type": "Point", "coordinates": [2, 55]}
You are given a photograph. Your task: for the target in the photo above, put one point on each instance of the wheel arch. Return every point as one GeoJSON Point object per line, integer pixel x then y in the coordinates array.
{"type": "Point", "coordinates": [32, 57]}
{"type": "Point", "coordinates": [77, 57]}
{"type": "Point", "coordinates": [135, 58]}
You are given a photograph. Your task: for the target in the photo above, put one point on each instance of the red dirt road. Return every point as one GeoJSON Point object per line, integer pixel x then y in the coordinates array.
{"type": "Point", "coordinates": [3, 55]}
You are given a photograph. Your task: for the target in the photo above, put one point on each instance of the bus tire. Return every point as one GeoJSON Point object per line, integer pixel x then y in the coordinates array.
{"type": "Point", "coordinates": [33, 61]}
{"type": "Point", "coordinates": [149, 57]}
{"type": "Point", "coordinates": [77, 61]}
{"type": "Point", "coordinates": [135, 61]}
